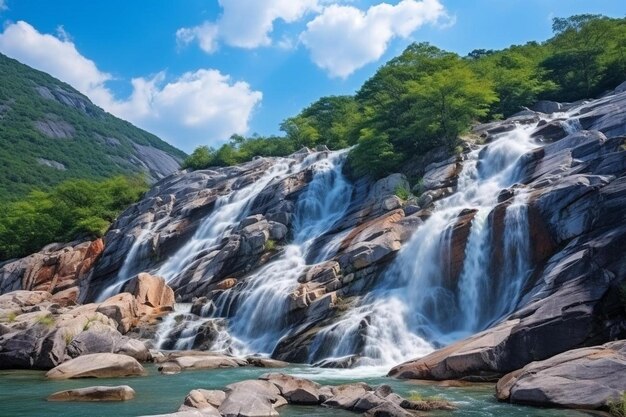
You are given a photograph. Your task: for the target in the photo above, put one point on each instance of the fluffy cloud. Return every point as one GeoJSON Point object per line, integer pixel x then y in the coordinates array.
{"type": "Point", "coordinates": [199, 107]}
{"type": "Point", "coordinates": [343, 39]}
{"type": "Point", "coordinates": [3, 5]}
{"type": "Point", "coordinates": [245, 23]}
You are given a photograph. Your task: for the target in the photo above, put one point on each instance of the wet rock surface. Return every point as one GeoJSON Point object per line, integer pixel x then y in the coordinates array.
{"type": "Point", "coordinates": [97, 365]}
{"type": "Point", "coordinates": [588, 378]}
{"type": "Point", "coordinates": [577, 215]}
{"type": "Point", "coordinates": [265, 397]}
{"type": "Point", "coordinates": [95, 394]}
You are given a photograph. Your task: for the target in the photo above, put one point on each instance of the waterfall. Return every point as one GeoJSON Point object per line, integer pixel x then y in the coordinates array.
{"type": "Point", "coordinates": [229, 210]}
{"type": "Point", "coordinates": [134, 257]}
{"type": "Point", "coordinates": [262, 305]}
{"type": "Point", "coordinates": [417, 304]}
{"type": "Point", "coordinates": [257, 312]}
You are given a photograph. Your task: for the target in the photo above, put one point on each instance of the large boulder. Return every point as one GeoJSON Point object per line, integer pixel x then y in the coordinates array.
{"type": "Point", "coordinates": [587, 378]}
{"type": "Point", "coordinates": [97, 394]}
{"type": "Point", "coordinates": [97, 365]}
{"type": "Point", "coordinates": [151, 291]}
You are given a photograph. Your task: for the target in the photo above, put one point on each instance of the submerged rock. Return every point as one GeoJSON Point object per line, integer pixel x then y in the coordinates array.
{"type": "Point", "coordinates": [97, 394]}
{"type": "Point", "coordinates": [97, 365]}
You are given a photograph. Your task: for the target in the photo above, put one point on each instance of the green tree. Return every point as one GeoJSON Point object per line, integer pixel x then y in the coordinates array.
{"type": "Point", "coordinates": [444, 105]}
{"type": "Point", "coordinates": [373, 156]}
{"type": "Point", "coordinates": [71, 209]}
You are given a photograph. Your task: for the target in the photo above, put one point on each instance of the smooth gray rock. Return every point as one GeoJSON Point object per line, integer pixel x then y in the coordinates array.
{"type": "Point", "coordinates": [295, 390]}
{"type": "Point", "coordinates": [587, 378]}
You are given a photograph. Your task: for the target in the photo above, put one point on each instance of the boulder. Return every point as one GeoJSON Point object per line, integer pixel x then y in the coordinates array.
{"type": "Point", "coordinates": [266, 362]}
{"type": "Point", "coordinates": [295, 390]}
{"type": "Point", "coordinates": [206, 362]}
{"type": "Point", "coordinates": [97, 393]}
{"type": "Point", "coordinates": [202, 398]}
{"type": "Point", "coordinates": [170, 368]}
{"type": "Point", "coordinates": [151, 291]}
{"type": "Point", "coordinates": [547, 107]}
{"type": "Point", "coordinates": [588, 378]}
{"type": "Point", "coordinates": [57, 268]}
{"type": "Point", "coordinates": [205, 412]}
{"type": "Point", "coordinates": [346, 396]}
{"type": "Point", "coordinates": [551, 131]}
{"type": "Point", "coordinates": [388, 409]}
{"type": "Point", "coordinates": [103, 339]}
{"type": "Point", "coordinates": [441, 174]}
{"type": "Point", "coordinates": [97, 365]}
{"type": "Point", "coordinates": [252, 398]}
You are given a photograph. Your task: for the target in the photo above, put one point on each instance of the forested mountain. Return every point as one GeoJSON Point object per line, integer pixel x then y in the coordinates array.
{"type": "Point", "coordinates": [49, 133]}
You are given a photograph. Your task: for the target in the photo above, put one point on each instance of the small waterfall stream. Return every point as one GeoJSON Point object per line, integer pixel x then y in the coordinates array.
{"type": "Point", "coordinates": [257, 311]}
{"type": "Point", "coordinates": [228, 211]}
{"type": "Point", "coordinates": [263, 303]}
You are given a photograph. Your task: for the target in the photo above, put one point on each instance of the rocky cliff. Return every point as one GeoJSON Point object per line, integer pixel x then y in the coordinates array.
{"type": "Point", "coordinates": [507, 253]}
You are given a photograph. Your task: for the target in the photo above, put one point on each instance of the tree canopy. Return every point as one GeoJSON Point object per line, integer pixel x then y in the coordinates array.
{"type": "Point", "coordinates": [427, 97]}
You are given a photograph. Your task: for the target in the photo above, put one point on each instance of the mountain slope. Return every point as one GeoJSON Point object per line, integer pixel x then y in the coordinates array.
{"type": "Point", "coordinates": [50, 132]}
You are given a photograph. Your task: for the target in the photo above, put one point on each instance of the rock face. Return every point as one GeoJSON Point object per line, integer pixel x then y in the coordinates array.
{"type": "Point", "coordinates": [39, 333]}
{"type": "Point", "coordinates": [58, 269]}
{"type": "Point", "coordinates": [587, 378]}
{"type": "Point", "coordinates": [577, 216]}
{"type": "Point", "coordinates": [97, 365]}
{"type": "Point", "coordinates": [97, 394]}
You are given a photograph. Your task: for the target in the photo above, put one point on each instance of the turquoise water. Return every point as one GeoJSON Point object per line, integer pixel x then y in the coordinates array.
{"type": "Point", "coordinates": [23, 394]}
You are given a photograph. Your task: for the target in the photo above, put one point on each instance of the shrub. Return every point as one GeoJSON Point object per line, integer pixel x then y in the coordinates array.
{"type": "Point", "coordinates": [71, 209]}
{"type": "Point", "coordinates": [46, 320]}
{"type": "Point", "coordinates": [270, 245]}
{"type": "Point", "coordinates": [402, 192]}
{"type": "Point", "coordinates": [618, 408]}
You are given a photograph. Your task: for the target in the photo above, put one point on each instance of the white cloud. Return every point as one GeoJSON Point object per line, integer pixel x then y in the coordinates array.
{"type": "Point", "coordinates": [199, 107]}
{"type": "Point", "coordinates": [343, 39]}
{"type": "Point", "coordinates": [245, 23]}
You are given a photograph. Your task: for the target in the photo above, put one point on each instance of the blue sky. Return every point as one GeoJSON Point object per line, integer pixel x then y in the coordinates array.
{"type": "Point", "coordinates": [203, 69]}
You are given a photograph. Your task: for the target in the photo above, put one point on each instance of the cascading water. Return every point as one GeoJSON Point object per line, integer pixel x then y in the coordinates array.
{"type": "Point", "coordinates": [228, 211]}
{"type": "Point", "coordinates": [417, 300]}
{"type": "Point", "coordinates": [260, 317]}
{"type": "Point", "coordinates": [135, 254]}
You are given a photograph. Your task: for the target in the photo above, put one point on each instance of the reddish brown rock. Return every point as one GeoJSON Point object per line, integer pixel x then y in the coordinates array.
{"type": "Point", "coordinates": [56, 268]}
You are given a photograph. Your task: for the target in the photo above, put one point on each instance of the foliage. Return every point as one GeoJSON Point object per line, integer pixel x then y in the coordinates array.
{"type": "Point", "coordinates": [69, 210]}
{"type": "Point", "coordinates": [11, 317]}
{"type": "Point", "coordinates": [618, 408]}
{"type": "Point", "coordinates": [417, 397]}
{"type": "Point", "coordinates": [402, 192]}
{"type": "Point", "coordinates": [102, 146]}
{"type": "Point", "coordinates": [45, 320]}
{"type": "Point", "coordinates": [374, 155]}
{"type": "Point", "coordinates": [270, 245]}
{"type": "Point", "coordinates": [238, 150]}
{"type": "Point", "coordinates": [426, 98]}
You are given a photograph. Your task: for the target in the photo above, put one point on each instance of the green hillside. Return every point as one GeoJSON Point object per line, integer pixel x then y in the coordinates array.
{"type": "Point", "coordinates": [49, 132]}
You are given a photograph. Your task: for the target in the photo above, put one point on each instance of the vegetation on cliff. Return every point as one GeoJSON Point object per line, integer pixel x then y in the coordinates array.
{"type": "Point", "coordinates": [427, 97]}
{"type": "Point", "coordinates": [71, 209]}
